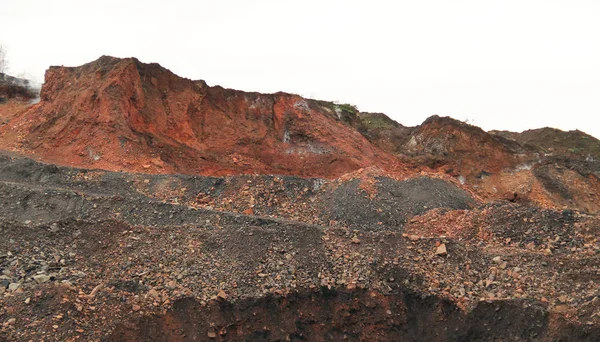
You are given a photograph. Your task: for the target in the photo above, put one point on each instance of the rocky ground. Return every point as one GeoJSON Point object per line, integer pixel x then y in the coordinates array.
{"type": "Point", "coordinates": [94, 255]}
{"type": "Point", "coordinates": [137, 205]}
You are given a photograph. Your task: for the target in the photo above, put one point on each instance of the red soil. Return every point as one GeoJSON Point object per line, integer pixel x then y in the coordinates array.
{"type": "Point", "coordinates": [124, 115]}
{"type": "Point", "coordinates": [121, 114]}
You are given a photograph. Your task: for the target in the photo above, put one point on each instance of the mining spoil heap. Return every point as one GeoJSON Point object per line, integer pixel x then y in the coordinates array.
{"type": "Point", "coordinates": [136, 205]}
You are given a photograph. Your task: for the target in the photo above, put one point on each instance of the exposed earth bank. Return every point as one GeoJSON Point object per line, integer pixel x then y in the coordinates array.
{"type": "Point", "coordinates": [95, 255]}
{"type": "Point", "coordinates": [136, 205]}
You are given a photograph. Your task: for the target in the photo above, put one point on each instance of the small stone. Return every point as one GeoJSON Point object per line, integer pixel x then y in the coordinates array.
{"type": "Point", "coordinates": [67, 284]}
{"type": "Point", "coordinates": [28, 300]}
{"type": "Point", "coordinates": [153, 293]}
{"type": "Point", "coordinates": [561, 308]}
{"type": "Point", "coordinates": [222, 295]}
{"type": "Point", "coordinates": [95, 290]}
{"type": "Point", "coordinates": [41, 278]}
{"type": "Point", "coordinates": [355, 240]}
{"type": "Point", "coordinates": [414, 237]}
{"type": "Point", "coordinates": [135, 307]}
{"type": "Point", "coordinates": [497, 259]}
{"type": "Point", "coordinates": [441, 250]}
{"type": "Point", "coordinates": [54, 228]}
{"type": "Point", "coordinates": [212, 334]}
{"type": "Point", "coordinates": [14, 287]}
{"type": "Point", "coordinates": [11, 321]}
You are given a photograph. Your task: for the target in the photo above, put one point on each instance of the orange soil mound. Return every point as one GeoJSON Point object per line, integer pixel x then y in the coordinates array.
{"type": "Point", "coordinates": [121, 114]}
{"type": "Point", "coordinates": [124, 115]}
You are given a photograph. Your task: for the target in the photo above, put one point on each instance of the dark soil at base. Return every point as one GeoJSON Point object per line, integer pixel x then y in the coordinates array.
{"type": "Point", "coordinates": [332, 315]}
{"type": "Point", "coordinates": [60, 192]}
{"type": "Point", "coordinates": [94, 255]}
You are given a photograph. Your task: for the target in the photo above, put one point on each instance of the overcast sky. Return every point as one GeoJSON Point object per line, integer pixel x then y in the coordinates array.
{"type": "Point", "coordinates": [501, 64]}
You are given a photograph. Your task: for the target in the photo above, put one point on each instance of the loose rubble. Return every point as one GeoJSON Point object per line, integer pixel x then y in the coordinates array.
{"type": "Point", "coordinates": [269, 217]}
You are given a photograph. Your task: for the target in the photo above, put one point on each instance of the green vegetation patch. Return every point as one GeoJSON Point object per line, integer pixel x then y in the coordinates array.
{"type": "Point", "coordinates": [345, 107]}
{"type": "Point", "coordinates": [375, 121]}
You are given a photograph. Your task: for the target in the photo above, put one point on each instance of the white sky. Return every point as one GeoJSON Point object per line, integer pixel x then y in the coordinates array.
{"type": "Point", "coordinates": [508, 64]}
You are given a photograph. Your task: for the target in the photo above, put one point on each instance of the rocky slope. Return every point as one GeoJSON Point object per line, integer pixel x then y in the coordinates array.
{"type": "Point", "coordinates": [548, 167]}
{"type": "Point", "coordinates": [120, 114]}
{"type": "Point", "coordinates": [136, 205]}
{"type": "Point", "coordinates": [124, 115]}
{"type": "Point", "coordinates": [96, 255]}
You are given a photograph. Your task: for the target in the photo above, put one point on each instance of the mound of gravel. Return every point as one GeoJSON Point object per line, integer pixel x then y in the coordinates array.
{"type": "Point", "coordinates": [394, 203]}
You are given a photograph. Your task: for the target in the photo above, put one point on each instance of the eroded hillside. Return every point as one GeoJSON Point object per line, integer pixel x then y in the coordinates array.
{"type": "Point", "coordinates": [136, 205]}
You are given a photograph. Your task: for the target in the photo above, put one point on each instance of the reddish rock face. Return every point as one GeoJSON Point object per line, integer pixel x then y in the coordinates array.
{"type": "Point", "coordinates": [121, 114]}
{"type": "Point", "coordinates": [457, 148]}
{"type": "Point", "coordinates": [485, 232]}
{"type": "Point", "coordinates": [124, 115]}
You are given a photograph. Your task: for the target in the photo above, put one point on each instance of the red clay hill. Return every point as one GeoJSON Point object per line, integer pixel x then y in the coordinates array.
{"type": "Point", "coordinates": [121, 114]}
{"type": "Point", "coordinates": [124, 115]}
{"type": "Point", "coordinates": [505, 246]}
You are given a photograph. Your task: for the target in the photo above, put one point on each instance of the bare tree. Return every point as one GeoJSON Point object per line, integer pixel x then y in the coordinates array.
{"type": "Point", "coordinates": [3, 61]}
